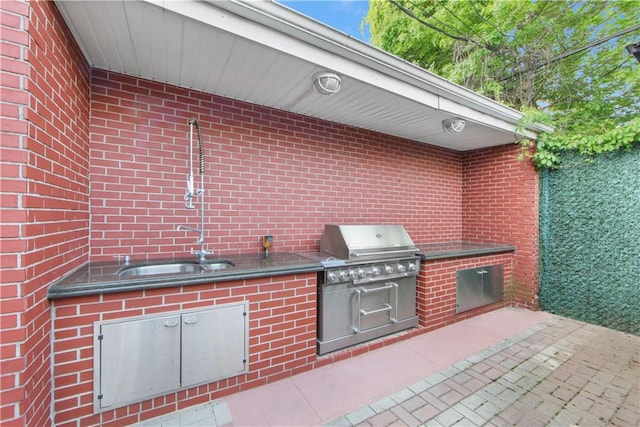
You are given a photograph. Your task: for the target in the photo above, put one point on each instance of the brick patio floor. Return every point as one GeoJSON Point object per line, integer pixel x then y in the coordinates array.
{"type": "Point", "coordinates": [560, 372]}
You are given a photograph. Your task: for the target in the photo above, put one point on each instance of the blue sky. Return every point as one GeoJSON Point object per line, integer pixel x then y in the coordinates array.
{"type": "Point", "coordinates": [344, 15]}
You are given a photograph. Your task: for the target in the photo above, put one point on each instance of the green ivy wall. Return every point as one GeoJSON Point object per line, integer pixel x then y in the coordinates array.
{"type": "Point", "coordinates": [590, 239]}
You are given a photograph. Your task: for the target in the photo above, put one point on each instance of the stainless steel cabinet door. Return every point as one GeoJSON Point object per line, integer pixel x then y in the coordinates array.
{"type": "Point", "coordinates": [214, 344]}
{"type": "Point", "coordinates": [137, 359]}
{"type": "Point", "coordinates": [476, 287]}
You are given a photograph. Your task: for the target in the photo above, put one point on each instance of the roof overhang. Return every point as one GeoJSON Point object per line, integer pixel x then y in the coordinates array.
{"type": "Point", "coordinates": [267, 54]}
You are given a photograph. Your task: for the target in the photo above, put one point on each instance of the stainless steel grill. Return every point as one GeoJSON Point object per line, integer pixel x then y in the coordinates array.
{"type": "Point", "coordinates": [368, 287]}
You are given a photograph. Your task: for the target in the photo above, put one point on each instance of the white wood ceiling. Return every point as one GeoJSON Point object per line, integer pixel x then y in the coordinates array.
{"type": "Point", "coordinates": [267, 54]}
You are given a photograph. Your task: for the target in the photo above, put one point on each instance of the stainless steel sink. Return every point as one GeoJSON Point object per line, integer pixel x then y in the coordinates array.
{"type": "Point", "coordinates": [173, 268]}
{"type": "Point", "coordinates": [217, 265]}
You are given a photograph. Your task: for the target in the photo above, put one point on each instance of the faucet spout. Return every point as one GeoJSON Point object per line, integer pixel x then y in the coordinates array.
{"type": "Point", "coordinates": [192, 191]}
{"type": "Point", "coordinates": [186, 227]}
{"type": "Point", "coordinates": [195, 230]}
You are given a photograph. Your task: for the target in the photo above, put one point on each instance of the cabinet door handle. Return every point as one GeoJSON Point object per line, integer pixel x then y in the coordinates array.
{"type": "Point", "coordinates": [170, 323]}
{"type": "Point", "coordinates": [190, 320]}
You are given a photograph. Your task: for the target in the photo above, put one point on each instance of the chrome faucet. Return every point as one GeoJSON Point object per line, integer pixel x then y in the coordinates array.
{"type": "Point", "coordinates": [191, 192]}
{"type": "Point", "coordinates": [195, 230]}
{"type": "Point", "coordinates": [202, 253]}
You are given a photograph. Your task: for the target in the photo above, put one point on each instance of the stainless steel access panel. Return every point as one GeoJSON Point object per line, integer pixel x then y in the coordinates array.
{"type": "Point", "coordinates": [143, 357]}
{"type": "Point", "coordinates": [480, 286]}
{"type": "Point", "coordinates": [139, 358]}
{"type": "Point", "coordinates": [213, 344]}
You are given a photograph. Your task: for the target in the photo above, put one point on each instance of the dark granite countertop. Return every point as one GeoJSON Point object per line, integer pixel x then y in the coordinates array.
{"type": "Point", "coordinates": [102, 277]}
{"type": "Point", "coordinates": [431, 251]}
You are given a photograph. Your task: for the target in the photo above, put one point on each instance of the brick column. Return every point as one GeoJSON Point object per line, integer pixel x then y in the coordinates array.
{"type": "Point", "coordinates": [44, 89]}
{"type": "Point", "coordinates": [500, 196]}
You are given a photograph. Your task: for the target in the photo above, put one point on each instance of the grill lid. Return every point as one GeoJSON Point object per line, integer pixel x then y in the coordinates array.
{"type": "Point", "coordinates": [363, 242]}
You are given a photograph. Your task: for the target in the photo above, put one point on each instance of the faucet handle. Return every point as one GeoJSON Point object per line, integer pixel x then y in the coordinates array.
{"type": "Point", "coordinates": [127, 258]}
{"type": "Point", "coordinates": [188, 200]}
{"type": "Point", "coordinates": [202, 253]}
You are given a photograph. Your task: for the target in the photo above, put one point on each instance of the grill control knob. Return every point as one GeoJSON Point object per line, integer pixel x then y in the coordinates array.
{"type": "Point", "coordinates": [342, 276]}
{"type": "Point", "coordinates": [331, 277]}
{"type": "Point", "coordinates": [401, 268]}
{"type": "Point", "coordinates": [375, 271]}
{"type": "Point", "coordinates": [353, 274]}
{"type": "Point", "coordinates": [412, 266]}
{"type": "Point", "coordinates": [361, 273]}
{"type": "Point", "coordinates": [388, 269]}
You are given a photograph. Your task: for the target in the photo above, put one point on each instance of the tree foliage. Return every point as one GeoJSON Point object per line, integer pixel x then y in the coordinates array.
{"type": "Point", "coordinates": [560, 62]}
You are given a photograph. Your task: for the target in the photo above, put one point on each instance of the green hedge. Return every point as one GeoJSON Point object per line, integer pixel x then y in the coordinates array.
{"type": "Point", "coordinates": [590, 239]}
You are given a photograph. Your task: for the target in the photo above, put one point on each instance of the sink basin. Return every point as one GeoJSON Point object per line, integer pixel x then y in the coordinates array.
{"type": "Point", "coordinates": [173, 268]}
{"type": "Point", "coordinates": [217, 265]}
{"type": "Point", "coordinates": [150, 269]}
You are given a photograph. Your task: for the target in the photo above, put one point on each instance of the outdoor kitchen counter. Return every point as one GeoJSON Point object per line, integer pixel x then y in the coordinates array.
{"type": "Point", "coordinates": [432, 251]}
{"type": "Point", "coordinates": [102, 277]}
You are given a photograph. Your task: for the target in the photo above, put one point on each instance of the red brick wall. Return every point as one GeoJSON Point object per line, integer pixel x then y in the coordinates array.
{"type": "Point", "coordinates": [282, 321]}
{"type": "Point", "coordinates": [500, 205]}
{"type": "Point", "coordinates": [436, 289]}
{"type": "Point", "coordinates": [44, 183]}
{"type": "Point", "coordinates": [267, 171]}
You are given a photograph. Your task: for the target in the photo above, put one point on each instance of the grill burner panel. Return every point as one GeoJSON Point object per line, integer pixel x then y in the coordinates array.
{"type": "Point", "coordinates": [362, 273]}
